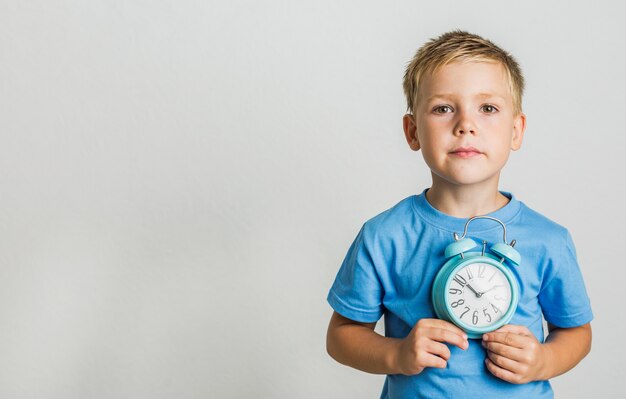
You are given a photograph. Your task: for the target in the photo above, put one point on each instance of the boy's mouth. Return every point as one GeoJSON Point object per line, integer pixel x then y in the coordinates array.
{"type": "Point", "coordinates": [466, 152]}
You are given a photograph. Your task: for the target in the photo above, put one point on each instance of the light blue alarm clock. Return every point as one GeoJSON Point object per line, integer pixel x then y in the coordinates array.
{"type": "Point", "coordinates": [476, 290]}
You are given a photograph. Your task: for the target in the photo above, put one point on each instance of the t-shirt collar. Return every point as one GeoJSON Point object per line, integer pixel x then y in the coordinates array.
{"type": "Point", "coordinates": [453, 224]}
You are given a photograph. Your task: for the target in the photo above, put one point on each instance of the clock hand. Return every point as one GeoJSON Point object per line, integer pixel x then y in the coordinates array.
{"type": "Point", "coordinates": [478, 294]}
{"type": "Point", "coordinates": [492, 288]}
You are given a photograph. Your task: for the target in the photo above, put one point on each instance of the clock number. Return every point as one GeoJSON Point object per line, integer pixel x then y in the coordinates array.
{"type": "Point", "coordinates": [459, 279]}
{"type": "Point", "coordinates": [481, 270]}
{"type": "Point", "coordinates": [493, 275]}
{"type": "Point", "coordinates": [470, 276]}
{"type": "Point", "coordinates": [453, 291]}
{"type": "Point", "coordinates": [457, 303]}
{"type": "Point", "coordinates": [475, 317]}
{"type": "Point", "coordinates": [495, 309]}
{"type": "Point", "coordinates": [487, 315]}
{"type": "Point", "coordinates": [467, 309]}
{"type": "Point", "coordinates": [498, 298]}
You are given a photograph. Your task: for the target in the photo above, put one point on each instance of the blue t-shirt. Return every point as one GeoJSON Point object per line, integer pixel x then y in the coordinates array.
{"type": "Point", "coordinates": [391, 265]}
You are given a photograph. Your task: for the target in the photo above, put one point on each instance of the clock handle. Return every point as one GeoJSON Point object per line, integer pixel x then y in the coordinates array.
{"type": "Point", "coordinates": [505, 251]}
{"type": "Point", "coordinates": [457, 238]}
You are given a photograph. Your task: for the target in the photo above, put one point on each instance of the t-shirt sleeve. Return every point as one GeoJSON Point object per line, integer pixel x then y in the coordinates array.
{"type": "Point", "coordinates": [357, 292]}
{"type": "Point", "coordinates": [563, 297]}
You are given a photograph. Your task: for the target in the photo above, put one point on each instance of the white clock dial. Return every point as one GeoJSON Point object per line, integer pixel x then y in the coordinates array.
{"type": "Point", "coordinates": [479, 294]}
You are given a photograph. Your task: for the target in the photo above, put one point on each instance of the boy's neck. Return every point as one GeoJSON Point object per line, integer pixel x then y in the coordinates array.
{"type": "Point", "coordinates": [465, 201]}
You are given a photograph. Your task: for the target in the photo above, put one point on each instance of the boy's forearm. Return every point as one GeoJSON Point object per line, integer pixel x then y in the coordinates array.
{"type": "Point", "coordinates": [565, 347]}
{"type": "Point", "coordinates": [363, 348]}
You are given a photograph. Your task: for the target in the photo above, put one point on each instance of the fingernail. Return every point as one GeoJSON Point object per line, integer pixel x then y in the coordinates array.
{"type": "Point", "coordinates": [485, 337]}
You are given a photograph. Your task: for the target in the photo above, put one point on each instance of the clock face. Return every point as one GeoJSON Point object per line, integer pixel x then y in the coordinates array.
{"type": "Point", "coordinates": [479, 294]}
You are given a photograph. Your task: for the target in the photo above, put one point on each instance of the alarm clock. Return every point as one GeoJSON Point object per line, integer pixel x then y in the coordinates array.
{"type": "Point", "coordinates": [476, 290]}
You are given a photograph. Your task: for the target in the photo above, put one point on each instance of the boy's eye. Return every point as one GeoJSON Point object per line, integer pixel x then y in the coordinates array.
{"type": "Point", "coordinates": [490, 109]}
{"type": "Point", "coordinates": [442, 109]}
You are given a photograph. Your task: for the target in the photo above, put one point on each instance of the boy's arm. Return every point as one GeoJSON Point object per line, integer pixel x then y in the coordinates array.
{"type": "Point", "coordinates": [358, 345]}
{"type": "Point", "coordinates": [515, 355]}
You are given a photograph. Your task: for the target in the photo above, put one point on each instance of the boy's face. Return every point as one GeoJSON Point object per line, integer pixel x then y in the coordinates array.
{"type": "Point", "coordinates": [464, 122]}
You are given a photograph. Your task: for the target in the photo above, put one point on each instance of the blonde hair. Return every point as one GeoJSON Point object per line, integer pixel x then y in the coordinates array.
{"type": "Point", "coordinates": [459, 45]}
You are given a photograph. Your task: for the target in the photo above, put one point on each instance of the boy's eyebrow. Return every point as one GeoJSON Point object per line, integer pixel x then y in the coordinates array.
{"type": "Point", "coordinates": [447, 96]}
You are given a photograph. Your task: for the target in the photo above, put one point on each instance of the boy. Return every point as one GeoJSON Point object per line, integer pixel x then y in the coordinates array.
{"type": "Point", "coordinates": [464, 98]}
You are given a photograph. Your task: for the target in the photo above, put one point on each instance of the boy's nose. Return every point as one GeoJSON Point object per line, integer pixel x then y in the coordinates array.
{"type": "Point", "coordinates": [462, 130]}
{"type": "Point", "coordinates": [465, 125]}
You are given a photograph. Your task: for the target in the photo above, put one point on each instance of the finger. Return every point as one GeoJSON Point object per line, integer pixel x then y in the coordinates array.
{"type": "Point", "coordinates": [438, 349]}
{"type": "Point", "coordinates": [426, 359]}
{"type": "Point", "coordinates": [504, 350]}
{"type": "Point", "coordinates": [443, 324]}
{"type": "Point", "coordinates": [501, 373]}
{"type": "Point", "coordinates": [504, 362]}
{"type": "Point", "coordinates": [443, 335]}
{"type": "Point", "coordinates": [522, 330]}
{"type": "Point", "coordinates": [507, 338]}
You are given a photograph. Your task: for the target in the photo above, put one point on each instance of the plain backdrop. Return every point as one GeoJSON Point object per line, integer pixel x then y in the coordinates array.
{"type": "Point", "coordinates": [180, 181]}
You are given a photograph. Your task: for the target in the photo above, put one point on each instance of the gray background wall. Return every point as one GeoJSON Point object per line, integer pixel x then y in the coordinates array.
{"type": "Point", "coordinates": [180, 180]}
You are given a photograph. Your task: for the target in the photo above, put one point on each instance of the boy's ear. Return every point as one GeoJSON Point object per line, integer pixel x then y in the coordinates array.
{"type": "Point", "coordinates": [519, 127]}
{"type": "Point", "coordinates": [410, 131]}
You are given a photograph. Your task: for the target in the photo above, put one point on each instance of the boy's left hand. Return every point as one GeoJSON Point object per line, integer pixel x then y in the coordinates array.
{"type": "Point", "coordinates": [514, 354]}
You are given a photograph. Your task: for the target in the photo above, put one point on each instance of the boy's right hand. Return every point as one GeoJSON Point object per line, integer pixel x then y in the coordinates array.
{"type": "Point", "coordinates": [425, 345]}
